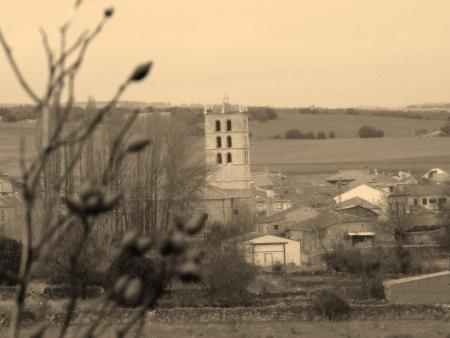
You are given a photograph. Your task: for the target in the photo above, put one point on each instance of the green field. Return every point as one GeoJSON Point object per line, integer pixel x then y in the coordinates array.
{"type": "Point", "coordinates": [309, 156]}
{"type": "Point", "coordinates": [292, 156]}
{"type": "Point", "coordinates": [345, 126]}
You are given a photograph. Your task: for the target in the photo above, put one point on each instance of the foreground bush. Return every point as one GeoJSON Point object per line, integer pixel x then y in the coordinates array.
{"type": "Point", "coordinates": [330, 305]}
{"type": "Point", "coordinates": [10, 253]}
{"type": "Point", "coordinates": [226, 275]}
{"type": "Point", "coordinates": [133, 266]}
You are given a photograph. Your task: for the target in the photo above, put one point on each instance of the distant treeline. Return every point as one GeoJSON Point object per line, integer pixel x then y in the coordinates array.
{"type": "Point", "coordinates": [300, 135]}
{"type": "Point", "coordinates": [437, 115]}
{"type": "Point", "coordinates": [17, 113]}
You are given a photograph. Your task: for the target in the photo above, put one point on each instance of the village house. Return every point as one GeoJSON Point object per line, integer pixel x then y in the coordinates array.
{"type": "Point", "coordinates": [315, 194]}
{"type": "Point", "coordinates": [359, 207]}
{"type": "Point", "coordinates": [415, 198]}
{"type": "Point", "coordinates": [421, 210]}
{"type": "Point", "coordinates": [437, 175]}
{"type": "Point", "coordinates": [365, 192]}
{"type": "Point", "coordinates": [277, 223]}
{"type": "Point", "coordinates": [330, 229]}
{"type": "Point", "coordinates": [268, 250]}
{"type": "Point", "coordinates": [267, 202]}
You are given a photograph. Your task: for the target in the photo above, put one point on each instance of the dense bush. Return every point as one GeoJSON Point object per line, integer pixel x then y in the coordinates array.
{"type": "Point", "coordinates": [226, 274]}
{"type": "Point", "coordinates": [149, 271]}
{"type": "Point", "coordinates": [294, 134]}
{"type": "Point", "coordinates": [370, 132]}
{"type": "Point", "coordinates": [321, 135]}
{"type": "Point", "coordinates": [330, 305]}
{"type": "Point", "coordinates": [370, 264]}
{"type": "Point", "coordinates": [352, 261]}
{"type": "Point", "coordinates": [10, 253]}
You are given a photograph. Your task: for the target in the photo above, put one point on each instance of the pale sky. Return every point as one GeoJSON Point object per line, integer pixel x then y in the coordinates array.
{"type": "Point", "coordinates": [260, 52]}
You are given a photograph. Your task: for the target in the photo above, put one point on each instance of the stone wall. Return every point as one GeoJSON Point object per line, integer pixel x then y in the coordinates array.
{"type": "Point", "coordinates": [252, 314]}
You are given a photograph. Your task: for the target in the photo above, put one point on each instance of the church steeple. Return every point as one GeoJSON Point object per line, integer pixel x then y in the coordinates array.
{"type": "Point", "coordinates": [227, 147]}
{"type": "Point", "coordinates": [226, 104]}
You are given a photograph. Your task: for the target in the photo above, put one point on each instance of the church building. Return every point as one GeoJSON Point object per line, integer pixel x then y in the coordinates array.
{"type": "Point", "coordinates": [227, 196]}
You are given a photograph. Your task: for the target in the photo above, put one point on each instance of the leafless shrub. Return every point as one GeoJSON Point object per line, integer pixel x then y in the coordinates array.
{"type": "Point", "coordinates": [54, 205]}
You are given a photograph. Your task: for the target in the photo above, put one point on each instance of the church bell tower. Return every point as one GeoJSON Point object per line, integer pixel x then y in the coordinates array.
{"type": "Point", "coordinates": [227, 147]}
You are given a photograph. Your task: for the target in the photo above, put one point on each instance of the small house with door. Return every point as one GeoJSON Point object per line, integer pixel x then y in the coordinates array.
{"type": "Point", "coordinates": [269, 250]}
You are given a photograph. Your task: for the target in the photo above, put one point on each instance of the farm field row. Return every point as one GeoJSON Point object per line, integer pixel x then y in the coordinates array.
{"type": "Point", "coordinates": [309, 156]}
{"type": "Point", "coordinates": [294, 156]}
{"type": "Point", "coordinates": [345, 126]}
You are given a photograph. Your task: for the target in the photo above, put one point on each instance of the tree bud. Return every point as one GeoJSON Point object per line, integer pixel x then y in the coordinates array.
{"type": "Point", "coordinates": [195, 223]}
{"type": "Point", "coordinates": [141, 71]}
{"type": "Point", "coordinates": [133, 292]}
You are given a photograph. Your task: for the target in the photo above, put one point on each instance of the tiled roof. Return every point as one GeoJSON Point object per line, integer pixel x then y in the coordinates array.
{"type": "Point", "coordinates": [325, 219]}
{"type": "Point", "coordinates": [279, 216]}
{"type": "Point", "coordinates": [356, 201]}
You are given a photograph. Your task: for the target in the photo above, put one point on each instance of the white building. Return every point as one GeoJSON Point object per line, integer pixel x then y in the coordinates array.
{"type": "Point", "coordinates": [365, 192]}
{"type": "Point", "coordinates": [268, 250]}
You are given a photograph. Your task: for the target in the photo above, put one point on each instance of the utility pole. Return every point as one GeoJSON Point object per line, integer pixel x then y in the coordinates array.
{"type": "Point", "coordinates": [339, 188]}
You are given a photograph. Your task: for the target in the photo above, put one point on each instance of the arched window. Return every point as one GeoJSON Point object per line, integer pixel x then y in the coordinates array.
{"type": "Point", "coordinates": [228, 125]}
{"type": "Point", "coordinates": [219, 142]}
{"type": "Point", "coordinates": [229, 158]}
{"type": "Point", "coordinates": [229, 142]}
{"type": "Point", "coordinates": [217, 125]}
{"type": "Point", "coordinates": [219, 158]}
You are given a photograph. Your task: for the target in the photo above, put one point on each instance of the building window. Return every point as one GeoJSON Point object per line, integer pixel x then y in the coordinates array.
{"type": "Point", "coordinates": [217, 125]}
{"type": "Point", "coordinates": [236, 211]}
{"type": "Point", "coordinates": [245, 125]}
{"type": "Point", "coordinates": [219, 158]}
{"type": "Point", "coordinates": [229, 158]}
{"type": "Point", "coordinates": [246, 157]}
{"type": "Point", "coordinates": [228, 125]}
{"type": "Point", "coordinates": [391, 189]}
{"type": "Point", "coordinates": [275, 227]}
{"type": "Point", "coordinates": [416, 202]}
{"type": "Point", "coordinates": [229, 142]}
{"type": "Point", "coordinates": [424, 201]}
{"type": "Point", "coordinates": [433, 201]}
{"type": "Point", "coordinates": [219, 142]}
